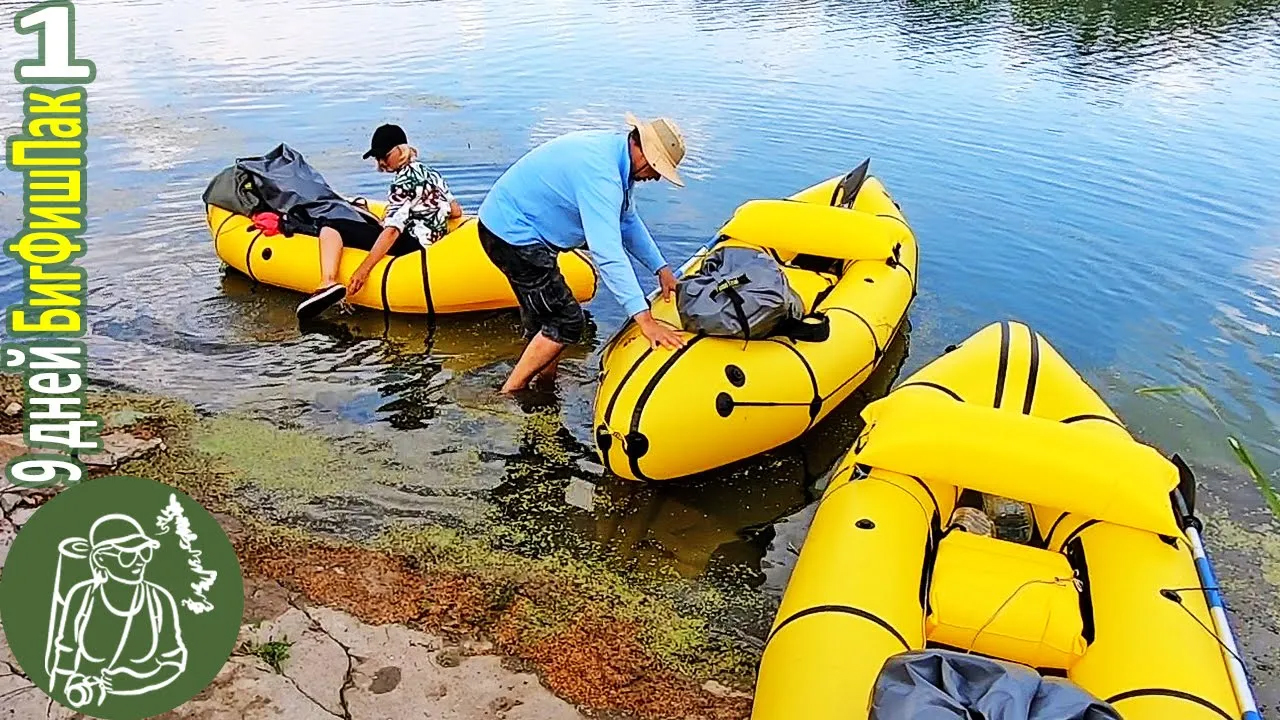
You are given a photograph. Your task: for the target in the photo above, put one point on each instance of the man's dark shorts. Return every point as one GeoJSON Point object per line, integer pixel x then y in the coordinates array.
{"type": "Point", "coordinates": [546, 302]}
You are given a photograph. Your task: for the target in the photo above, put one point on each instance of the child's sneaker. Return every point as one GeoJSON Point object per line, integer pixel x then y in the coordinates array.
{"type": "Point", "coordinates": [320, 301]}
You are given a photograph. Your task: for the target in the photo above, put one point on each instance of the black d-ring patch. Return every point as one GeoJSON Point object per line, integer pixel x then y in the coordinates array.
{"type": "Point", "coordinates": [736, 377]}
{"type": "Point", "coordinates": [724, 405]}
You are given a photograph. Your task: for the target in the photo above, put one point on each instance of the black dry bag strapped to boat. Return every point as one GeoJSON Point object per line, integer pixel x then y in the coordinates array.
{"type": "Point", "coordinates": [281, 181]}
{"type": "Point", "coordinates": [947, 685]}
{"type": "Point", "coordinates": [738, 292]}
{"type": "Point", "coordinates": [233, 189]}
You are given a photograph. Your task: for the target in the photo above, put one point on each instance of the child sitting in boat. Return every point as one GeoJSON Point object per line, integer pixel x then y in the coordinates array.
{"type": "Point", "coordinates": [419, 207]}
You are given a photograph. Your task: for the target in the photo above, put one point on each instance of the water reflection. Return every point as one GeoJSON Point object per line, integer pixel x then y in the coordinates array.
{"type": "Point", "coordinates": [718, 524]}
{"type": "Point", "coordinates": [1111, 25]}
{"type": "Point", "coordinates": [1112, 31]}
{"type": "Point", "coordinates": [412, 358]}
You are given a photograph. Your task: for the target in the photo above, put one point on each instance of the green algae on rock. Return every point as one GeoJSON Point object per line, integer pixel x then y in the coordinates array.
{"type": "Point", "coordinates": [674, 619]}
{"type": "Point", "coordinates": [463, 580]}
{"type": "Point", "coordinates": [1261, 546]}
{"type": "Point", "coordinates": [291, 462]}
{"type": "Point", "coordinates": [541, 434]}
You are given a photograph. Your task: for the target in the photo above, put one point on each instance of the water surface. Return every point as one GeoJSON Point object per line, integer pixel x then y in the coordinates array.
{"type": "Point", "coordinates": [1104, 172]}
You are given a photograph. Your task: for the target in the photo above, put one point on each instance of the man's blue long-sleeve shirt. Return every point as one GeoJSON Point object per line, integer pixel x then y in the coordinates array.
{"type": "Point", "coordinates": [572, 191]}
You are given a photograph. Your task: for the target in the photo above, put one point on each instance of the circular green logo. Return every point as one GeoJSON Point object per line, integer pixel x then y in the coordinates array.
{"type": "Point", "coordinates": [121, 598]}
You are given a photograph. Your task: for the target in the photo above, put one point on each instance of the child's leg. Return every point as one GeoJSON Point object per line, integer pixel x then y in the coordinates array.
{"type": "Point", "coordinates": [330, 257]}
{"type": "Point", "coordinates": [330, 291]}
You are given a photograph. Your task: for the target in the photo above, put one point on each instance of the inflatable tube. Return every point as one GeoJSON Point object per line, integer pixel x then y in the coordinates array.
{"type": "Point", "coordinates": [454, 275]}
{"type": "Point", "coordinates": [1132, 625]}
{"type": "Point", "coordinates": [660, 414]}
{"type": "Point", "coordinates": [813, 229]}
{"type": "Point", "coordinates": [1153, 655]}
{"type": "Point", "coordinates": [915, 431]}
{"type": "Point", "coordinates": [835, 628]}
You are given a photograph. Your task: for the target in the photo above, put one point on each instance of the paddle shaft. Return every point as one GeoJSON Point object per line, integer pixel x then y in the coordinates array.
{"type": "Point", "coordinates": [1218, 612]}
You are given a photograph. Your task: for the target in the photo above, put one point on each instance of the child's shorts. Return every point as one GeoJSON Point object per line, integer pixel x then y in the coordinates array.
{"type": "Point", "coordinates": [363, 236]}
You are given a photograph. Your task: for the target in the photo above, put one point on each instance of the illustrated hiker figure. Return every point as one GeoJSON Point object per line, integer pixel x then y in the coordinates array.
{"type": "Point", "coordinates": [115, 633]}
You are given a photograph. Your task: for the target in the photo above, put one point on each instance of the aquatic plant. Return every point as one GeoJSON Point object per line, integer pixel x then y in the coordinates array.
{"type": "Point", "coordinates": [541, 433]}
{"type": "Point", "coordinates": [601, 636]}
{"type": "Point", "coordinates": [673, 618]}
{"type": "Point", "coordinates": [1265, 488]}
{"type": "Point", "coordinates": [295, 464]}
{"type": "Point", "coordinates": [1179, 390]}
{"type": "Point", "coordinates": [1264, 485]}
{"type": "Point", "coordinates": [1259, 549]}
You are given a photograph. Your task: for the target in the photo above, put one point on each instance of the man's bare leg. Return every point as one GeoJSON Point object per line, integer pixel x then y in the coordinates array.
{"type": "Point", "coordinates": [546, 377]}
{"type": "Point", "coordinates": [542, 354]}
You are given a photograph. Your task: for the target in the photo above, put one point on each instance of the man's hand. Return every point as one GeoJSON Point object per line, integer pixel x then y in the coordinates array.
{"type": "Point", "coordinates": [667, 280]}
{"type": "Point", "coordinates": [358, 279]}
{"type": "Point", "coordinates": [659, 334]}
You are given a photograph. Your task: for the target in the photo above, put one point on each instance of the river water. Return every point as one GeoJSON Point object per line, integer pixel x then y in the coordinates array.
{"type": "Point", "coordinates": [1103, 171]}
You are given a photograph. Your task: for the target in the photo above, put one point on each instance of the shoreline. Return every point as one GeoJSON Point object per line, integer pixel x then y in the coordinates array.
{"type": "Point", "coordinates": [555, 635]}
{"type": "Point", "coordinates": [590, 635]}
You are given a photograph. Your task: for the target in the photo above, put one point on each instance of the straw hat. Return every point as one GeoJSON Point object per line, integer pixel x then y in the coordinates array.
{"type": "Point", "coordinates": [662, 145]}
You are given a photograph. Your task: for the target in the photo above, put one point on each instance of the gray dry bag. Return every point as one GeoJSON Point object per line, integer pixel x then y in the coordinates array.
{"type": "Point", "coordinates": [948, 685]}
{"type": "Point", "coordinates": [738, 292]}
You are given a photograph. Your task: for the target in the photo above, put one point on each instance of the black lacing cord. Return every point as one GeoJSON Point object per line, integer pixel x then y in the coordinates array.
{"type": "Point", "coordinates": [1172, 594]}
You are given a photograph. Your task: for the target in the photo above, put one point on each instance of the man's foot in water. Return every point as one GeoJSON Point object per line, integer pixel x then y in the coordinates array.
{"type": "Point", "coordinates": [320, 301]}
{"type": "Point", "coordinates": [534, 398]}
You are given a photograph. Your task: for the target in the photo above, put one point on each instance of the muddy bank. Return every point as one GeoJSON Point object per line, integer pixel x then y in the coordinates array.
{"type": "Point", "coordinates": [598, 638]}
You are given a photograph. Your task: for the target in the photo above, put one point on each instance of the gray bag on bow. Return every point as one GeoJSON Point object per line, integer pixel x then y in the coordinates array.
{"type": "Point", "coordinates": [738, 292]}
{"type": "Point", "coordinates": [947, 685]}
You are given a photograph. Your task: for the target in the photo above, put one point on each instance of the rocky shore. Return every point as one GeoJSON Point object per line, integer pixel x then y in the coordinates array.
{"type": "Point", "coordinates": [422, 621]}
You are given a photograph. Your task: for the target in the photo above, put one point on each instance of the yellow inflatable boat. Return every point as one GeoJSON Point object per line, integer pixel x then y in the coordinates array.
{"type": "Point", "coordinates": [1108, 587]}
{"type": "Point", "coordinates": [452, 276]}
{"type": "Point", "coordinates": [848, 252]}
